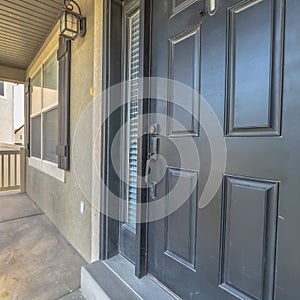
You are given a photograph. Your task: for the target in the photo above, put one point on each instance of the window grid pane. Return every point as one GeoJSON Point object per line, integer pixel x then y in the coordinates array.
{"type": "Point", "coordinates": [36, 137]}
{"type": "Point", "coordinates": [50, 82]}
{"type": "Point", "coordinates": [36, 93]}
{"type": "Point", "coordinates": [50, 135]}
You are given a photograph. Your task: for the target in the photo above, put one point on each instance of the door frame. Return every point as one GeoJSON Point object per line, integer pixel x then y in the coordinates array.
{"type": "Point", "coordinates": [112, 74]}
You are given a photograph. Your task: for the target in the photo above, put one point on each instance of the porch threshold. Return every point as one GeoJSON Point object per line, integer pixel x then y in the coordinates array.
{"type": "Point", "coordinates": [114, 279]}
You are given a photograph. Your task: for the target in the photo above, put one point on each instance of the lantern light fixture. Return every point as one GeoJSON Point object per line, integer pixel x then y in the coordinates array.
{"type": "Point", "coordinates": [72, 23]}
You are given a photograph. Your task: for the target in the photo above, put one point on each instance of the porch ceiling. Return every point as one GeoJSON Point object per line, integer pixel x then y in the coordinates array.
{"type": "Point", "coordinates": [24, 26]}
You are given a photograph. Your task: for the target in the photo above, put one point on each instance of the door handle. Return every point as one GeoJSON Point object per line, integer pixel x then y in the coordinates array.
{"type": "Point", "coordinates": [210, 8]}
{"type": "Point", "coordinates": [147, 169]}
{"type": "Point", "coordinates": [153, 151]}
{"type": "Point", "coordinates": [152, 155]}
{"type": "Point", "coordinates": [154, 147]}
{"type": "Point", "coordinates": [150, 185]}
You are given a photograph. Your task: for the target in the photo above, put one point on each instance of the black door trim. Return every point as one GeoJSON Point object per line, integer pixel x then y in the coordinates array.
{"type": "Point", "coordinates": [143, 194]}
{"type": "Point", "coordinates": [109, 228]}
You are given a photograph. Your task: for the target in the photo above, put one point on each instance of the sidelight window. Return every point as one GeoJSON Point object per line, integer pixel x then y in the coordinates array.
{"type": "Point", "coordinates": [133, 65]}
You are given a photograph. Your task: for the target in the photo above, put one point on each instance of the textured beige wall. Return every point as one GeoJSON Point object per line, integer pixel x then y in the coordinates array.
{"type": "Point", "coordinates": [61, 201]}
{"type": "Point", "coordinates": [98, 32]}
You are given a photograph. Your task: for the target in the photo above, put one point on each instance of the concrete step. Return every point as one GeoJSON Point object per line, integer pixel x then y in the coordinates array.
{"type": "Point", "coordinates": [114, 279]}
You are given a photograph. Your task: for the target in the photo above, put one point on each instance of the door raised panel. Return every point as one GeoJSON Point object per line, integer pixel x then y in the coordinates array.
{"type": "Point", "coordinates": [180, 226]}
{"type": "Point", "coordinates": [254, 43]}
{"type": "Point", "coordinates": [249, 237]}
{"type": "Point", "coordinates": [178, 6]}
{"type": "Point", "coordinates": [184, 67]}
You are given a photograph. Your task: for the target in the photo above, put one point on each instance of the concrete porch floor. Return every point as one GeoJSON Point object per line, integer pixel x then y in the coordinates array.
{"type": "Point", "coordinates": [36, 261]}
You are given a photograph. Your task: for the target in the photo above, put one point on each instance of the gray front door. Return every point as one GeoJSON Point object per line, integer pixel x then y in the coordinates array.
{"type": "Point", "coordinates": [244, 60]}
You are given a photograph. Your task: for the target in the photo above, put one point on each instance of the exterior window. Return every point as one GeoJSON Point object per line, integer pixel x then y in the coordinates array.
{"type": "Point", "coordinates": [2, 89]}
{"type": "Point", "coordinates": [44, 111]}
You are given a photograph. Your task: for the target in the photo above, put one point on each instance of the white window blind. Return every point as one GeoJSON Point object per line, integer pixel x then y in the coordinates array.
{"type": "Point", "coordinates": [133, 74]}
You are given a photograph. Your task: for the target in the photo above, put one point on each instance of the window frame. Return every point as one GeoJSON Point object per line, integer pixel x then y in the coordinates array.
{"type": "Point", "coordinates": [128, 228]}
{"type": "Point", "coordinates": [3, 97]}
{"type": "Point", "coordinates": [41, 163]}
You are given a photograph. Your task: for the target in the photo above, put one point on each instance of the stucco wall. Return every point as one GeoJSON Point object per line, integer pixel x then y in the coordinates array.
{"type": "Point", "coordinates": [61, 201]}
{"type": "Point", "coordinates": [7, 115]}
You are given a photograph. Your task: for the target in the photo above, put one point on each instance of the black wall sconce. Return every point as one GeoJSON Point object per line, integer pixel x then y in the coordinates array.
{"type": "Point", "coordinates": [72, 23]}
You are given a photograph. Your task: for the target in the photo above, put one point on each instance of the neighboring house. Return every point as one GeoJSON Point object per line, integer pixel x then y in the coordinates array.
{"type": "Point", "coordinates": [6, 112]}
{"type": "Point", "coordinates": [11, 111]}
{"type": "Point", "coordinates": [18, 105]}
{"type": "Point", "coordinates": [19, 136]}
{"type": "Point", "coordinates": [230, 229]}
